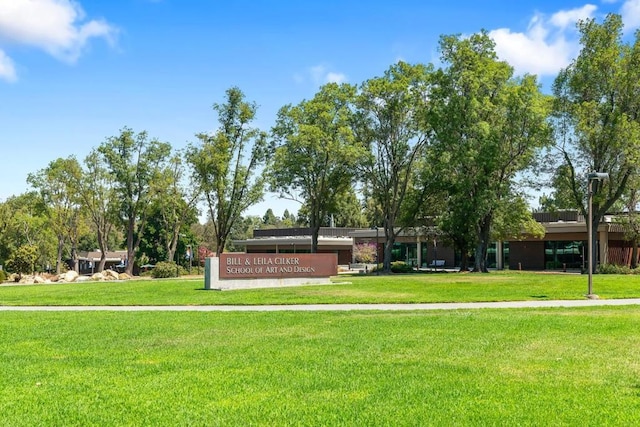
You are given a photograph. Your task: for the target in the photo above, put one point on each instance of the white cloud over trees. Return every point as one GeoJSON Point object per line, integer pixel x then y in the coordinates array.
{"type": "Point", "coordinates": [630, 12]}
{"type": "Point", "coordinates": [319, 75]}
{"type": "Point", "coordinates": [551, 41]}
{"type": "Point", "coordinates": [548, 44]}
{"type": "Point", "coordinates": [57, 27]}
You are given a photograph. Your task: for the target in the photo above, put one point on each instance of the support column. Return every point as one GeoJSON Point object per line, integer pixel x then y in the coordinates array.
{"type": "Point", "coordinates": [603, 239]}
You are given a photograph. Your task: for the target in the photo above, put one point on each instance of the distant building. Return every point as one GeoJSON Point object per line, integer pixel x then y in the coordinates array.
{"type": "Point", "coordinates": [88, 261]}
{"type": "Point", "coordinates": [298, 240]}
{"type": "Point", "coordinates": [563, 246]}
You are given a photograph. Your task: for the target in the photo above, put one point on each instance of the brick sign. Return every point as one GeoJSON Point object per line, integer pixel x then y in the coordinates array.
{"type": "Point", "coordinates": [259, 266]}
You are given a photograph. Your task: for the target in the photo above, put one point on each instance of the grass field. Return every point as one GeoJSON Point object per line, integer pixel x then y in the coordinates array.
{"type": "Point", "coordinates": [555, 366]}
{"type": "Point", "coordinates": [466, 367]}
{"type": "Point", "coordinates": [449, 287]}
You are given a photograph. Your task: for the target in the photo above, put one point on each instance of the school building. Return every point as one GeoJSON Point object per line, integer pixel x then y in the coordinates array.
{"type": "Point", "coordinates": [563, 247]}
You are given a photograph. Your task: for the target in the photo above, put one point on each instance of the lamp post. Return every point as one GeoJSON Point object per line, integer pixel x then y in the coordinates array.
{"type": "Point", "coordinates": [177, 256]}
{"type": "Point", "coordinates": [593, 176]}
{"type": "Point", "coordinates": [377, 251]}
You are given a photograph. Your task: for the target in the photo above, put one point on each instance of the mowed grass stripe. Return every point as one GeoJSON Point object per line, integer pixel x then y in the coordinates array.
{"type": "Point", "coordinates": [417, 288]}
{"type": "Point", "coordinates": [476, 367]}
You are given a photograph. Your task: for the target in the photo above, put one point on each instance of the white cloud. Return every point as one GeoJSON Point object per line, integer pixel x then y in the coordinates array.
{"type": "Point", "coordinates": [630, 12]}
{"type": "Point", "coordinates": [568, 18]}
{"type": "Point", "coordinates": [548, 44]}
{"type": "Point", "coordinates": [7, 69]}
{"type": "Point", "coordinates": [56, 26]}
{"type": "Point", "coordinates": [336, 78]}
{"type": "Point", "coordinates": [319, 75]}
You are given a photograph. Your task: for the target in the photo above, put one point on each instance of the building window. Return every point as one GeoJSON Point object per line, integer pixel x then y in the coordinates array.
{"type": "Point", "coordinates": [407, 252]}
{"type": "Point", "coordinates": [492, 254]}
{"type": "Point", "coordinates": [563, 254]}
{"type": "Point", "coordinates": [505, 254]}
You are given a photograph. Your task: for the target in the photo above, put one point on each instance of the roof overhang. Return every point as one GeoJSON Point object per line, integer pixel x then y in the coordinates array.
{"type": "Point", "coordinates": [296, 241]}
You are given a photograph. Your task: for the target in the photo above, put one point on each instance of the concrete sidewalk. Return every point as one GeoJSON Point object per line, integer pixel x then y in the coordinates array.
{"type": "Point", "coordinates": [339, 307]}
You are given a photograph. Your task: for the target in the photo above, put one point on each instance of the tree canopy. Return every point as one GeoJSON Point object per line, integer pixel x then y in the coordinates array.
{"type": "Point", "coordinates": [389, 110]}
{"type": "Point", "coordinates": [488, 126]}
{"type": "Point", "coordinates": [226, 164]}
{"type": "Point", "coordinates": [134, 162]}
{"type": "Point", "coordinates": [316, 153]}
{"type": "Point", "coordinates": [597, 116]}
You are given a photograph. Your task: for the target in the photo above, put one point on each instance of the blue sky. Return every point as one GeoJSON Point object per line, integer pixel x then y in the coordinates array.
{"type": "Point", "coordinates": [73, 73]}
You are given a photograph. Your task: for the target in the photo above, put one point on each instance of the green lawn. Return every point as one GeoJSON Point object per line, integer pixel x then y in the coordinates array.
{"type": "Point", "coordinates": [445, 287]}
{"type": "Point", "coordinates": [465, 367]}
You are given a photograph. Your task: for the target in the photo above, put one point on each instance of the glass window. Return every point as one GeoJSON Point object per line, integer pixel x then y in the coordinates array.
{"type": "Point", "coordinates": [563, 254]}
{"type": "Point", "coordinates": [406, 252]}
{"type": "Point", "coordinates": [505, 254]}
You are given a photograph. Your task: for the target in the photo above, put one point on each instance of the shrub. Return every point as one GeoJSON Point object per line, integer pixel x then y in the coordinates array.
{"type": "Point", "coordinates": [3, 276]}
{"type": "Point", "coordinates": [23, 259]}
{"type": "Point", "coordinates": [613, 269]}
{"type": "Point", "coordinates": [401, 267]}
{"type": "Point", "coordinates": [365, 253]}
{"type": "Point", "coordinates": [164, 269]}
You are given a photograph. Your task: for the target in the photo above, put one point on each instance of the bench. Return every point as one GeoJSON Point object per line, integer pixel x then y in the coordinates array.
{"type": "Point", "coordinates": [359, 267]}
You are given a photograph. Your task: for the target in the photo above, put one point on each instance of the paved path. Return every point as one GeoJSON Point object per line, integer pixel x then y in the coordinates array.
{"type": "Point", "coordinates": [336, 307]}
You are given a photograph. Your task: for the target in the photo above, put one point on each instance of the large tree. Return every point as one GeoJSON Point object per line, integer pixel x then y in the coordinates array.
{"type": "Point", "coordinates": [23, 260]}
{"type": "Point", "coordinates": [227, 164]}
{"type": "Point", "coordinates": [24, 222]}
{"type": "Point", "coordinates": [177, 208]}
{"type": "Point", "coordinates": [134, 162]}
{"type": "Point", "coordinates": [488, 127]}
{"type": "Point", "coordinates": [166, 237]}
{"type": "Point", "coordinates": [316, 153]}
{"type": "Point", "coordinates": [388, 124]}
{"type": "Point", "coordinates": [61, 202]}
{"type": "Point", "coordinates": [96, 189]}
{"type": "Point", "coordinates": [597, 115]}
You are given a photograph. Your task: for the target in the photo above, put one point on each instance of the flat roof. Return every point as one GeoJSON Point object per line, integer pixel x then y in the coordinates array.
{"type": "Point", "coordinates": [296, 240]}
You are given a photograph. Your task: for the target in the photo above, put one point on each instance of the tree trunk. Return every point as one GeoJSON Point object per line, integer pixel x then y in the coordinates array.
{"type": "Point", "coordinates": [102, 244]}
{"type": "Point", "coordinates": [74, 259]}
{"type": "Point", "coordinates": [634, 254]}
{"type": "Point", "coordinates": [464, 261]}
{"type": "Point", "coordinates": [59, 255]}
{"type": "Point", "coordinates": [389, 240]}
{"type": "Point", "coordinates": [103, 262]}
{"type": "Point", "coordinates": [386, 263]}
{"type": "Point", "coordinates": [314, 224]}
{"type": "Point", "coordinates": [484, 234]}
{"type": "Point", "coordinates": [314, 239]}
{"type": "Point", "coordinates": [130, 248]}
{"type": "Point", "coordinates": [221, 241]}
{"type": "Point", "coordinates": [172, 246]}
